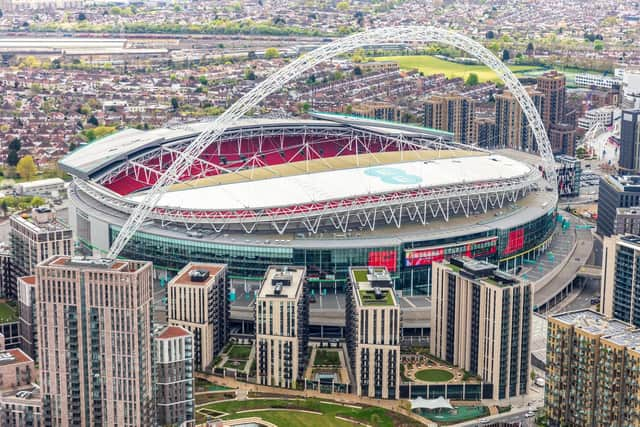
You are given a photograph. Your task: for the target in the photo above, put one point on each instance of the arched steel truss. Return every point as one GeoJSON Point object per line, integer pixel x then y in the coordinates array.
{"type": "Point", "coordinates": [302, 64]}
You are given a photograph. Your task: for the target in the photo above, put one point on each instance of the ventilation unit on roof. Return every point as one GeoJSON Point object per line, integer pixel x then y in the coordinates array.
{"type": "Point", "coordinates": [198, 275]}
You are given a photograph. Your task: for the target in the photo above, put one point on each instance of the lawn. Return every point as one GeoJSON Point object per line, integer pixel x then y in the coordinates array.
{"type": "Point", "coordinates": [375, 417]}
{"type": "Point", "coordinates": [434, 375]}
{"type": "Point", "coordinates": [432, 65]}
{"type": "Point", "coordinates": [292, 418]}
{"type": "Point", "coordinates": [239, 352]}
{"type": "Point", "coordinates": [7, 313]}
{"type": "Point", "coordinates": [235, 364]}
{"type": "Point", "coordinates": [326, 358]}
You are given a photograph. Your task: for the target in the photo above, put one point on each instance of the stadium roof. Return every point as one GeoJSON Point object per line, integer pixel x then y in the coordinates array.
{"type": "Point", "coordinates": [344, 184]}
{"type": "Point", "coordinates": [118, 147]}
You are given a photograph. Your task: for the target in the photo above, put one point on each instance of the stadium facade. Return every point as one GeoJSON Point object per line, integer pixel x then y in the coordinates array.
{"type": "Point", "coordinates": [329, 193]}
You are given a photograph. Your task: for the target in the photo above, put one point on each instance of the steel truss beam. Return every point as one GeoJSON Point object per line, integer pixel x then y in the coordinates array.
{"type": "Point", "coordinates": [301, 65]}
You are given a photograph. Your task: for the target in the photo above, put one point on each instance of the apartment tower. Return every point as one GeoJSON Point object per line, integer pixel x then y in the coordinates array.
{"type": "Point", "coordinates": [512, 126]}
{"type": "Point", "coordinates": [34, 237]}
{"type": "Point", "coordinates": [452, 113]}
{"type": "Point", "coordinates": [481, 322]}
{"type": "Point", "coordinates": [373, 332]}
{"type": "Point", "coordinates": [174, 377]}
{"type": "Point", "coordinates": [282, 319]}
{"type": "Point", "coordinates": [95, 341]}
{"type": "Point", "coordinates": [593, 371]}
{"type": "Point", "coordinates": [27, 315]}
{"type": "Point", "coordinates": [198, 300]}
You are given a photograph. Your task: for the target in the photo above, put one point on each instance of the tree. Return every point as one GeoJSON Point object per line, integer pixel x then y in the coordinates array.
{"type": "Point", "coordinates": [342, 6]}
{"type": "Point", "coordinates": [271, 53]}
{"type": "Point", "coordinates": [490, 35]}
{"type": "Point", "coordinates": [358, 56]}
{"type": "Point", "coordinates": [598, 45]}
{"type": "Point", "coordinates": [93, 120]}
{"type": "Point", "coordinates": [82, 16]}
{"type": "Point", "coordinates": [204, 81]}
{"type": "Point", "coordinates": [505, 55]}
{"type": "Point", "coordinates": [530, 49]}
{"type": "Point", "coordinates": [15, 144]}
{"type": "Point", "coordinates": [472, 80]}
{"type": "Point", "coordinates": [249, 74]}
{"type": "Point", "coordinates": [175, 104]}
{"type": "Point", "coordinates": [4, 206]}
{"type": "Point", "coordinates": [26, 168]}
{"type": "Point", "coordinates": [12, 158]}
{"type": "Point", "coordinates": [357, 71]}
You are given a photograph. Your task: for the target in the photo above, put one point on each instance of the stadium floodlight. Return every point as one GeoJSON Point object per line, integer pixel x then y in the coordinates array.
{"type": "Point", "coordinates": [304, 63]}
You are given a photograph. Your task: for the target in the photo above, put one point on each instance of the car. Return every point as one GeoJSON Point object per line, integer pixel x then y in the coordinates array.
{"type": "Point", "coordinates": [483, 421]}
{"type": "Point", "coordinates": [529, 414]}
{"type": "Point", "coordinates": [312, 298]}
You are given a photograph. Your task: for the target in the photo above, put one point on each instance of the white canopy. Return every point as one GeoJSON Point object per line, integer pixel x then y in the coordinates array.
{"type": "Point", "coordinates": [439, 403]}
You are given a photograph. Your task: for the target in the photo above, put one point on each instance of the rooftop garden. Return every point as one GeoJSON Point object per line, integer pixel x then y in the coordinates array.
{"type": "Point", "coordinates": [368, 297]}
{"type": "Point", "coordinates": [8, 313]}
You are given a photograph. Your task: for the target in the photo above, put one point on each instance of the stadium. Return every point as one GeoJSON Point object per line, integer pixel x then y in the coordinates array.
{"type": "Point", "coordinates": [328, 192]}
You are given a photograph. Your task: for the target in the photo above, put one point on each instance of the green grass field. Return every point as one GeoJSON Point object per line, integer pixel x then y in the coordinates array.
{"type": "Point", "coordinates": [238, 352]}
{"type": "Point", "coordinates": [432, 65]}
{"type": "Point", "coordinates": [326, 358]}
{"type": "Point", "coordinates": [375, 417]}
{"type": "Point", "coordinates": [7, 313]}
{"type": "Point", "coordinates": [434, 375]}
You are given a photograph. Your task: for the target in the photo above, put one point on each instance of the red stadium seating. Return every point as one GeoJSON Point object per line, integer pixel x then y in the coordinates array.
{"type": "Point", "coordinates": [233, 154]}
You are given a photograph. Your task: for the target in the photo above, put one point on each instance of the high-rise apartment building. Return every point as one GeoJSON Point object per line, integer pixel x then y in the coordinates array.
{"type": "Point", "coordinates": [484, 131]}
{"type": "Point", "coordinates": [198, 300]}
{"type": "Point", "coordinates": [95, 341]}
{"type": "Point", "coordinates": [553, 86]}
{"type": "Point", "coordinates": [615, 192]}
{"type": "Point", "coordinates": [27, 315]}
{"type": "Point", "coordinates": [174, 377]}
{"type": "Point", "coordinates": [453, 113]}
{"type": "Point", "coordinates": [563, 139]}
{"type": "Point", "coordinates": [35, 237]}
{"type": "Point", "coordinates": [512, 126]}
{"type": "Point", "coordinates": [620, 285]}
{"type": "Point", "coordinates": [629, 161]}
{"type": "Point", "coordinates": [481, 322]}
{"type": "Point", "coordinates": [593, 371]}
{"type": "Point", "coordinates": [5, 270]}
{"type": "Point", "coordinates": [282, 319]}
{"type": "Point", "coordinates": [377, 110]}
{"type": "Point", "coordinates": [373, 333]}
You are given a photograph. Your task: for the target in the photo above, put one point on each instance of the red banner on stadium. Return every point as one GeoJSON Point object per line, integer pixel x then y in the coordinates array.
{"type": "Point", "coordinates": [473, 249]}
{"type": "Point", "coordinates": [515, 242]}
{"type": "Point", "coordinates": [383, 259]}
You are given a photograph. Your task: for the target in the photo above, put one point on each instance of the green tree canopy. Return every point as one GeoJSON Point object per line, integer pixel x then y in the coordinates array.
{"type": "Point", "coordinates": [271, 53]}
{"type": "Point", "coordinates": [472, 80]}
{"type": "Point", "coordinates": [26, 168]}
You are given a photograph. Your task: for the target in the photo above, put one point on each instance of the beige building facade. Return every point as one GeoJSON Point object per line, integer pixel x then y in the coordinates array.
{"type": "Point", "coordinates": [481, 322]}
{"type": "Point", "coordinates": [95, 341]}
{"type": "Point", "coordinates": [198, 300]}
{"type": "Point", "coordinates": [282, 318]}
{"type": "Point", "coordinates": [373, 328]}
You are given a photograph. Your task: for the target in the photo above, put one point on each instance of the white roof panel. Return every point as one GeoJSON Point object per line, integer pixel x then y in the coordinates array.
{"type": "Point", "coordinates": [343, 184]}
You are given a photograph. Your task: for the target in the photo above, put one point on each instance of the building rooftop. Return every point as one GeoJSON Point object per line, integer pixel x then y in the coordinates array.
{"type": "Point", "coordinates": [624, 182]}
{"type": "Point", "coordinates": [481, 271]}
{"type": "Point", "coordinates": [29, 280]}
{"type": "Point", "coordinates": [198, 274]}
{"type": "Point", "coordinates": [282, 282]}
{"type": "Point", "coordinates": [173, 332]}
{"type": "Point", "coordinates": [374, 286]}
{"type": "Point", "coordinates": [13, 356]}
{"type": "Point", "coordinates": [40, 219]}
{"type": "Point", "coordinates": [81, 262]}
{"type": "Point", "coordinates": [592, 322]}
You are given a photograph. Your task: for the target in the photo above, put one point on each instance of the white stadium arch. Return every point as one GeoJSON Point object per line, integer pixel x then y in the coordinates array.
{"type": "Point", "coordinates": [304, 63]}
